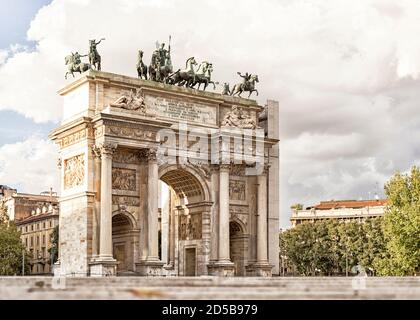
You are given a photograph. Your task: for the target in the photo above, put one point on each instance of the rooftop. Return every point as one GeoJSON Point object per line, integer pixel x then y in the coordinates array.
{"type": "Point", "coordinates": [354, 204]}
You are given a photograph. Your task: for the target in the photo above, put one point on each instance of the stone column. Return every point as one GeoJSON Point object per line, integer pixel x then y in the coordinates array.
{"type": "Point", "coordinates": [223, 267]}
{"type": "Point", "coordinates": [96, 151]}
{"type": "Point", "coordinates": [152, 209]}
{"type": "Point", "coordinates": [261, 268]}
{"type": "Point", "coordinates": [105, 245]}
{"type": "Point", "coordinates": [224, 214]}
{"type": "Point", "coordinates": [105, 264]}
{"type": "Point", "coordinates": [262, 219]}
{"type": "Point", "coordinates": [152, 265]}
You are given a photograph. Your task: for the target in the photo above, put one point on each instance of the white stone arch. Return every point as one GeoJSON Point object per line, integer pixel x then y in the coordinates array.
{"type": "Point", "coordinates": [128, 215]}
{"type": "Point", "coordinates": [240, 223]}
{"type": "Point", "coordinates": [197, 174]}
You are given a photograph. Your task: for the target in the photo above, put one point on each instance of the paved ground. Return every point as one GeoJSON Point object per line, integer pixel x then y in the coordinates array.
{"type": "Point", "coordinates": [210, 288]}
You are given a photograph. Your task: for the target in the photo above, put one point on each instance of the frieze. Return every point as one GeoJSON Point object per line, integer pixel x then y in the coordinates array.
{"type": "Point", "coordinates": [239, 209]}
{"type": "Point", "coordinates": [73, 138]}
{"type": "Point", "coordinates": [125, 201]}
{"type": "Point", "coordinates": [74, 171]}
{"type": "Point", "coordinates": [126, 157]}
{"type": "Point", "coordinates": [237, 170]}
{"type": "Point", "coordinates": [124, 179]}
{"type": "Point", "coordinates": [130, 133]}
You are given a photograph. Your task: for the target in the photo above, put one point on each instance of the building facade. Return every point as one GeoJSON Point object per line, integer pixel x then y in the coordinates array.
{"type": "Point", "coordinates": [36, 234]}
{"type": "Point", "coordinates": [35, 216]}
{"type": "Point", "coordinates": [342, 210]}
{"type": "Point", "coordinates": [121, 135]}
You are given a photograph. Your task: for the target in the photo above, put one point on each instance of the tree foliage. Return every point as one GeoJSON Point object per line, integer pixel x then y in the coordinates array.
{"type": "Point", "coordinates": [402, 225]}
{"type": "Point", "coordinates": [53, 251]}
{"type": "Point", "coordinates": [330, 247]}
{"type": "Point", "coordinates": [12, 251]}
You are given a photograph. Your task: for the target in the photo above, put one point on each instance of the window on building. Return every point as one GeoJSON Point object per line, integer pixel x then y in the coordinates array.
{"type": "Point", "coordinates": [32, 227]}
{"type": "Point", "coordinates": [26, 242]}
{"type": "Point", "coordinates": [43, 225]}
{"type": "Point", "coordinates": [37, 240]}
{"type": "Point", "coordinates": [32, 241]}
{"type": "Point", "coordinates": [26, 229]}
{"type": "Point", "coordinates": [50, 224]}
{"type": "Point", "coordinates": [43, 239]}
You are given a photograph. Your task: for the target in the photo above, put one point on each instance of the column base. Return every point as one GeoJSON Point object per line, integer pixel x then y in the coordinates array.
{"type": "Point", "coordinates": [103, 267]}
{"type": "Point", "coordinates": [150, 268]}
{"type": "Point", "coordinates": [221, 269]}
{"type": "Point", "coordinates": [259, 269]}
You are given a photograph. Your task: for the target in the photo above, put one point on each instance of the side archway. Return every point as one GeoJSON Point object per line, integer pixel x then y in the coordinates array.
{"type": "Point", "coordinates": [238, 246]}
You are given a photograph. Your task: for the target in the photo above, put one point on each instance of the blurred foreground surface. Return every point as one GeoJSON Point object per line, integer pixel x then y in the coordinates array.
{"type": "Point", "coordinates": [209, 288]}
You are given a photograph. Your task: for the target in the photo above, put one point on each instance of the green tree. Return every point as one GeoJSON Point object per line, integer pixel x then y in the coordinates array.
{"type": "Point", "coordinates": [11, 251]}
{"type": "Point", "coordinates": [330, 247]}
{"type": "Point", "coordinates": [402, 225]}
{"type": "Point", "coordinates": [53, 251]}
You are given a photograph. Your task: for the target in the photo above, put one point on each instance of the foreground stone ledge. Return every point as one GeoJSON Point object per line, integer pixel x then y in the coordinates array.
{"type": "Point", "coordinates": [208, 288]}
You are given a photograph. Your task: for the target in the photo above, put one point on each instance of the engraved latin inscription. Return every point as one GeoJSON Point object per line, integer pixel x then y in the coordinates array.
{"type": "Point", "coordinates": [181, 110]}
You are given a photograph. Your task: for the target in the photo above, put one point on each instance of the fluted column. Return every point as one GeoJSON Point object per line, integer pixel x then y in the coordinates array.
{"type": "Point", "coordinates": [224, 255]}
{"type": "Point", "coordinates": [105, 245]}
{"type": "Point", "coordinates": [152, 208]}
{"type": "Point", "coordinates": [262, 219]}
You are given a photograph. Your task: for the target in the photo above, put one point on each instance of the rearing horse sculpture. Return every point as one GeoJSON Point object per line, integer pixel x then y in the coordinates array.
{"type": "Point", "coordinates": [141, 67]}
{"type": "Point", "coordinates": [203, 76]}
{"type": "Point", "coordinates": [185, 76]}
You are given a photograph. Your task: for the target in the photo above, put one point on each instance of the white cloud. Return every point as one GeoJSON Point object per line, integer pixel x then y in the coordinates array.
{"type": "Point", "coordinates": [30, 165]}
{"type": "Point", "coordinates": [345, 74]}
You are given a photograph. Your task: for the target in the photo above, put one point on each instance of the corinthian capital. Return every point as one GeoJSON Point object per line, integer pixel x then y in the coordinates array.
{"type": "Point", "coordinates": [107, 148]}
{"type": "Point", "coordinates": [96, 151]}
{"type": "Point", "coordinates": [225, 167]}
{"type": "Point", "coordinates": [148, 154]}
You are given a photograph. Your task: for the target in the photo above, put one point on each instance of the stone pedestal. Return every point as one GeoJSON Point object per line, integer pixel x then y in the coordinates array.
{"type": "Point", "coordinates": [221, 269]}
{"type": "Point", "coordinates": [103, 268]}
{"type": "Point", "coordinates": [150, 268]}
{"type": "Point", "coordinates": [263, 269]}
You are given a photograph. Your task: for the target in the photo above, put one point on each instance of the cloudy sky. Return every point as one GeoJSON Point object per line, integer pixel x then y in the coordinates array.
{"type": "Point", "coordinates": [346, 75]}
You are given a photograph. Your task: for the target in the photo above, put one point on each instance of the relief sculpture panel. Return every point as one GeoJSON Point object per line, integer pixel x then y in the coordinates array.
{"type": "Point", "coordinates": [124, 179]}
{"type": "Point", "coordinates": [190, 227]}
{"type": "Point", "coordinates": [74, 171]}
{"type": "Point", "coordinates": [237, 190]}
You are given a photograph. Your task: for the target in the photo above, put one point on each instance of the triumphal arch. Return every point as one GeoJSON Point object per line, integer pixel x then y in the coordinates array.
{"type": "Point", "coordinates": [122, 138]}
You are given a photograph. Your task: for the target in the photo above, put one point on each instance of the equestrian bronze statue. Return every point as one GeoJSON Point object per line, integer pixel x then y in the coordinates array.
{"type": "Point", "coordinates": [248, 85]}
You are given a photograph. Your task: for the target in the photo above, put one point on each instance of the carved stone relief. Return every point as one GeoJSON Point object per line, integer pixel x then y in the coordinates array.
{"type": "Point", "coordinates": [124, 179]}
{"type": "Point", "coordinates": [74, 171]}
{"type": "Point", "coordinates": [237, 190]}
{"type": "Point", "coordinates": [125, 156]}
{"type": "Point", "coordinates": [130, 100]}
{"type": "Point", "coordinates": [125, 200]}
{"type": "Point", "coordinates": [73, 138]}
{"type": "Point", "coordinates": [130, 132]}
{"type": "Point", "coordinates": [190, 227]}
{"type": "Point", "coordinates": [238, 118]}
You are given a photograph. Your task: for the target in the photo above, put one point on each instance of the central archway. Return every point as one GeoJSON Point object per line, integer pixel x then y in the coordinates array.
{"type": "Point", "coordinates": [183, 210]}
